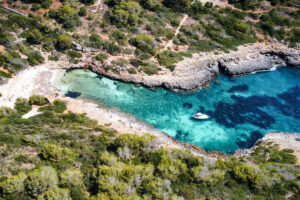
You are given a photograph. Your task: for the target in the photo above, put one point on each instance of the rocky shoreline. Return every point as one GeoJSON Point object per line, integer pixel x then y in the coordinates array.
{"type": "Point", "coordinates": [284, 140]}
{"type": "Point", "coordinates": [266, 60]}
{"type": "Point", "coordinates": [196, 72]}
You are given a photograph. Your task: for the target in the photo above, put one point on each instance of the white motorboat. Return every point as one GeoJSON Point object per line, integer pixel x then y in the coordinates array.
{"type": "Point", "coordinates": [200, 115]}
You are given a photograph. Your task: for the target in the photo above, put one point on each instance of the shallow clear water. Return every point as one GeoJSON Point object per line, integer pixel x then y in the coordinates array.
{"type": "Point", "coordinates": [242, 109]}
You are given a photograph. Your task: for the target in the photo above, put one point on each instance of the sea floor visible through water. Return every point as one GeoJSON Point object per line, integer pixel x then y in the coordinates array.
{"type": "Point", "coordinates": [242, 109]}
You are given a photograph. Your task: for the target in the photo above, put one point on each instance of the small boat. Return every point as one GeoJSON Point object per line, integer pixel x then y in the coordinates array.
{"type": "Point", "coordinates": [199, 115]}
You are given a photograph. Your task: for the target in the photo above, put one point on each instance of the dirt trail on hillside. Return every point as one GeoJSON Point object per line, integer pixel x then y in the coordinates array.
{"type": "Point", "coordinates": [170, 43]}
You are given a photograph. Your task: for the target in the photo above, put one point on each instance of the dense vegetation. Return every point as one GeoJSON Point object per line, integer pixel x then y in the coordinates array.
{"type": "Point", "coordinates": [255, 4]}
{"type": "Point", "coordinates": [136, 32]}
{"type": "Point", "coordinates": [68, 156]}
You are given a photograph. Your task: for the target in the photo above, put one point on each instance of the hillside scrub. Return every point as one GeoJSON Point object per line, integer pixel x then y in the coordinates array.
{"type": "Point", "coordinates": [140, 28]}
{"type": "Point", "coordinates": [72, 157]}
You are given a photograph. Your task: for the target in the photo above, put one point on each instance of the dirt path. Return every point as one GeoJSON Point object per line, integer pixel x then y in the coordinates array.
{"type": "Point", "coordinates": [98, 8]}
{"type": "Point", "coordinates": [170, 43]}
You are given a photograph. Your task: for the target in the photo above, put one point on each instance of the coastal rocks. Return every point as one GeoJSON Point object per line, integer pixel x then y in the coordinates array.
{"type": "Point", "coordinates": [188, 77]}
{"type": "Point", "coordinates": [197, 71]}
{"type": "Point", "coordinates": [192, 75]}
{"type": "Point", "coordinates": [293, 60]}
{"type": "Point", "coordinates": [284, 140]}
{"type": "Point", "coordinates": [289, 57]}
{"type": "Point", "coordinates": [237, 67]}
{"type": "Point", "coordinates": [190, 83]}
{"type": "Point", "coordinates": [256, 60]}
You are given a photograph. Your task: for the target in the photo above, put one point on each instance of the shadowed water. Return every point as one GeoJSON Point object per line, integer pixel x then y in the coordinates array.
{"type": "Point", "coordinates": [242, 109]}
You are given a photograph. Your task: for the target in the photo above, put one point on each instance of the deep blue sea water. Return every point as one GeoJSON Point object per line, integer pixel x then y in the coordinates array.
{"type": "Point", "coordinates": [242, 109]}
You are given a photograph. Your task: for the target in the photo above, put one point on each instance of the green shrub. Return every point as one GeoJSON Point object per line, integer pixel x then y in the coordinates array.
{"type": "Point", "coordinates": [149, 69]}
{"type": "Point", "coordinates": [35, 7]}
{"type": "Point", "coordinates": [34, 36]}
{"type": "Point", "coordinates": [90, 16]}
{"type": "Point", "coordinates": [55, 193]}
{"type": "Point", "coordinates": [40, 180]}
{"type": "Point", "coordinates": [95, 41]}
{"type": "Point", "coordinates": [145, 43]}
{"type": "Point", "coordinates": [55, 153]}
{"type": "Point", "coordinates": [294, 35]}
{"type": "Point", "coordinates": [126, 14]}
{"type": "Point", "coordinates": [5, 75]}
{"type": "Point", "coordinates": [59, 106]}
{"type": "Point", "coordinates": [246, 5]}
{"type": "Point", "coordinates": [48, 44]}
{"type": "Point", "coordinates": [13, 184]}
{"type": "Point", "coordinates": [35, 58]}
{"type": "Point", "coordinates": [136, 62]}
{"type": "Point", "coordinates": [134, 142]}
{"type": "Point", "coordinates": [21, 158]}
{"type": "Point", "coordinates": [22, 106]}
{"type": "Point", "coordinates": [82, 11]}
{"type": "Point", "coordinates": [64, 42]}
{"type": "Point", "coordinates": [111, 48]}
{"type": "Point", "coordinates": [46, 4]}
{"type": "Point", "coordinates": [131, 70]}
{"type": "Point", "coordinates": [170, 34]}
{"type": "Point", "coordinates": [31, 140]}
{"type": "Point", "coordinates": [201, 45]}
{"type": "Point", "coordinates": [64, 13]}
{"type": "Point", "coordinates": [169, 58]}
{"type": "Point", "coordinates": [282, 157]}
{"type": "Point", "coordinates": [39, 100]}
{"type": "Point", "coordinates": [77, 193]}
{"type": "Point", "coordinates": [178, 5]}
{"type": "Point", "coordinates": [71, 178]}
{"type": "Point", "coordinates": [120, 62]}
{"type": "Point", "coordinates": [74, 54]}
{"type": "Point", "coordinates": [119, 37]}
{"type": "Point", "coordinates": [105, 129]}
{"type": "Point", "coordinates": [88, 2]}
{"type": "Point", "coordinates": [101, 57]}
{"type": "Point", "coordinates": [288, 150]}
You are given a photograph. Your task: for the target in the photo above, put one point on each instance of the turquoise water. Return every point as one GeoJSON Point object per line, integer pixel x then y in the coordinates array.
{"type": "Point", "coordinates": [242, 109]}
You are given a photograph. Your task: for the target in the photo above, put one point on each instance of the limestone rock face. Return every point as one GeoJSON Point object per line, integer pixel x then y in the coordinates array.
{"type": "Point", "coordinates": [197, 71]}
{"type": "Point", "coordinates": [236, 67]}
{"type": "Point", "coordinates": [293, 59]}
{"type": "Point", "coordinates": [188, 77]}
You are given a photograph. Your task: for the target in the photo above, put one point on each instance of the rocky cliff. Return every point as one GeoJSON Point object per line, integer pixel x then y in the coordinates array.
{"type": "Point", "coordinates": [198, 71]}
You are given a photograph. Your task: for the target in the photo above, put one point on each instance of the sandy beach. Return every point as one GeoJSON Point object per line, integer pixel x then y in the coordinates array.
{"type": "Point", "coordinates": [32, 80]}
